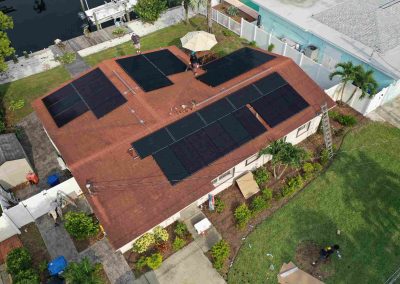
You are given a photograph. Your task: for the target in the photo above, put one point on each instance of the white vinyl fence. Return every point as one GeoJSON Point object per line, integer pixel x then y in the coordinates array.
{"type": "Point", "coordinates": [318, 72]}
{"type": "Point", "coordinates": [30, 209]}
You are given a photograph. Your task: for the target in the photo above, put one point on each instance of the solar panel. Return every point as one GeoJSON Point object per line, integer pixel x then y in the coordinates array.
{"type": "Point", "coordinates": [185, 126]}
{"type": "Point", "coordinates": [279, 105]}
{"type": "Point", "coordinates": [204, 147]}
{"type": "Point", "coordinates": [233, 65]}
{"type": "Point", "coordinates": [216, 110]}
{"type": "Point", "coordinates": [235, 130]}
{"type": "Point", "coordinates": [249, 122]}
{"type": "Point", "coordinates": [244, 96]}
{"type": "Point", "coordinates": [144, 73]}
{"type": "Point", "coordinates": [98, 92]}
{"type": "Point", "coordinates": [152, 143]}
{"type": "Point", "coordinates": [166, 61]}
{"type": "Point", "coordinates": [220, 138]}
{"type": "Point", "coordinates": [187, 155]}
{"type": "Point", "coordinates": [170, 165]}
{"type": "Point", "coordinates": [64, 105]}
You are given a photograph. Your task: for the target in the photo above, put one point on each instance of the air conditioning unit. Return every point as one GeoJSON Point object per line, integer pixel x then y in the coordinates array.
{"type": "Point", "coordinates": [312, 52]}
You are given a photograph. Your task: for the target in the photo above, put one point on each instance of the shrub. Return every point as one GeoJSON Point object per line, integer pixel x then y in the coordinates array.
{"type": "Point", "coordinates": [345, 120]}
{"type": "Point", "coordinates": [317, 167]}
{"type": "Point", "coordinates": [80, 225]}
{"type": "Point", "coordinates": [18, 259]}
{"type": "Point", "coordinates": [29, 276]}
{"type": "Point", "coordinates": [143, 243]}
{"type": "Point", "coordinates": [178, 244]}
{"type": "Point", "coordinates": [292, 185]}
{"type": "Point", "coordinates": [228, 33]}
{"type": "Point", "coordinates": [242, 215]}
{"type": "Point", "coordinates": [16, 104]}
{"type": "Point", "coordinates": [66, 58]}
{"type": "Point", "coordinates": [258, 204]}
{"type": "Point", "coordinates": [232, 11]}
{"type": "Point", "coordinates": [220, 252]}
{"type": "Point", "coordinates": [181, 230]}
{"type": "Point", "coordinates": [83, 272]}
{"type": "Point", "coordinates": [140, 263]}
{"type": "Point", "coordinates": [160, 234]}
{"type": "Point", "coordinates": [253, 43]}
{"type": "Point", "coordinates": [324, 156]}
{"type": "Point", "coordinates": [266, 193]}
{"type": "Point", "coordinates": [2, 127]}
{"type": "Point", "coordinates": [219, 205]}
{"type": "Point", "coordinates": [119, 31]}
{"type": "Point", "coordinates": [271, 47]}
{"type": "Point", "coordinates": [154, 261]}
{"type": "Point", "coordinates": [308, 170]}
{"type": "Point", "coordinates": [150, 10]}
{"type": "Point", "coordinates": [261, 176]}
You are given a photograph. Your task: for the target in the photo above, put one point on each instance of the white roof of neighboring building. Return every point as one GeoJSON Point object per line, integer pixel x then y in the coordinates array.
{"type": "Point", "coordinates": [367, 29]}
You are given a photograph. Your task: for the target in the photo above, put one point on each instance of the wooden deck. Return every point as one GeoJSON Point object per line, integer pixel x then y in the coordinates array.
{"type": "Point", "coordinates": [94, 38]}
{"type": "Point", "coordinates": [7, 245]}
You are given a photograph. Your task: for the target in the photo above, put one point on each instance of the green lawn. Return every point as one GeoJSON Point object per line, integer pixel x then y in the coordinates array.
{"type": "Point", "coordinates": [227, 41]}
{"type": "Point", "coordinates": [359, 194]}
{"type": "Point", "coordinates": [29, 89]}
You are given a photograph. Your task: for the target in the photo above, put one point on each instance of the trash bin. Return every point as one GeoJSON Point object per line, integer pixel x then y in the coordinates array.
{"type": "Point", "coordinates": [53, 180]}
{"type": "Point", "coordinates": [57, 266]}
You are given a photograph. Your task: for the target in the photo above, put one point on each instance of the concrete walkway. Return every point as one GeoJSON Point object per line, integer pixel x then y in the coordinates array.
{"type": "Point", "coordinates": [114, 263]}
{"type": "Point", "coordinates": [389, 112]}
{"type": "Point", "coordinates": [77, 67]}
{"type": "Point", "coordinates": [57, 240]}
{"type": "Point", "coordinates": [188, 265]}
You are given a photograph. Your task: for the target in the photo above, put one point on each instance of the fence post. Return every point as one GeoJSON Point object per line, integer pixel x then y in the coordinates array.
{"type": "Point", "coordinates": [217, 16]}
{"type": "Point", "coordinates": [229, 23]}
{"type": "Point", "coordinates": [241, 27]}
{"type": "Point", "coordinates": [255, 33]}
{"type": "Point", "coordinates": [284, 49]}
{"type": "Point", "coordinates": [301, 59]}
{"type": "Point", "coordinates": [269, 39]}
{"type": "Point", "coordinates": [318, 72]}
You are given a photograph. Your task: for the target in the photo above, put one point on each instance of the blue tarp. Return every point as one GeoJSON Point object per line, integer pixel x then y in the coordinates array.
{"type": "Point", "coordinates": [57, 265]}
{"type": "Point", "coordinates": [53, 180]}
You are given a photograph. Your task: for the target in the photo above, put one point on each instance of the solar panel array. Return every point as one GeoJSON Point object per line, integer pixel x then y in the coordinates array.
{"type": "Point", "coordinates": [150, 70]}
{"type": "Point", "coordinates": [230, 66]}
{"type": "Point", "coordinates": [186, 146]}
{"type": "Point", "coordinates": [92, 91]}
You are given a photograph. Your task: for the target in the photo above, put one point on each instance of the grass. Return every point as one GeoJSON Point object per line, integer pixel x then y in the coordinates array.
{"type": "Point", "coordinates": [29, 89]}
{"type": "Point", "coordinates": [359, 195]}
{"type": "Point", "coordinates": [227, 41]}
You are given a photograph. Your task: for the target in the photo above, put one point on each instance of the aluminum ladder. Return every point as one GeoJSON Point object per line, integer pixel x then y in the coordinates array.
{"type": "Point", "coordinates": [326, 127]}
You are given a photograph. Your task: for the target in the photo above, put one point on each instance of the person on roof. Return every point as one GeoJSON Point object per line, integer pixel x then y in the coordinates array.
{"type": "Point", "coordinates": [136, 42]}
{"type": "Point", "coordinates": [194, 62]}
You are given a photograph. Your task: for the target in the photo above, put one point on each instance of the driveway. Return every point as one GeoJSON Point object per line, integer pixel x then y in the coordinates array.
{"type": "Point", "coordinates": [187, 266]}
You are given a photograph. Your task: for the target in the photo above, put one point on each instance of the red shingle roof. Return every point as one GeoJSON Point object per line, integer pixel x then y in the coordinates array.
{"type": "Point", "coordinates": [132, 195]}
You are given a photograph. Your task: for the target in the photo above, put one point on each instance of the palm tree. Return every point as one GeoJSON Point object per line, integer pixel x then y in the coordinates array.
{"type": "Point", "coordinates": [366, 82]}
{"type": "Point", "coordinates": [347, 72]}
{"type": "Point", "coordinates": [198, 4]}
{"type": "Point", "coordinates": [190, 4]}
{"type": "Point", "coordinates": [209, 16]}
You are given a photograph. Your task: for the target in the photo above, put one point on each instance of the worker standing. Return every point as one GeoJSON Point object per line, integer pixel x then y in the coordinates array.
{"type": "Point", "coordinates": [136, 42]}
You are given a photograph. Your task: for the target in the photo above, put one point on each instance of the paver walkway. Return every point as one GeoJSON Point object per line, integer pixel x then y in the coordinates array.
{"type": "Point", "coordinates": [77, 67]}
{"type": "Point", "coordinates": [114, 263]}
{"type": "Point", "coordinates": [57, 240]}
{"type": "Point", "coordinates": [389, 112]}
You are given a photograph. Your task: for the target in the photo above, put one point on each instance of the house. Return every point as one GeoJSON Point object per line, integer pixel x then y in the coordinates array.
{"type": "Point", "coordinates": [14, 164]}
{"type": "Point", "coordinates": [333, 31]}
{"type": "Point", "coordinates": [145, 139]}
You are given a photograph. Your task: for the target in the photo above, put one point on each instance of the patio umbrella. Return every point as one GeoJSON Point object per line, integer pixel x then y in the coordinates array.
{"type": "Point", "coordinates": [198, 41]}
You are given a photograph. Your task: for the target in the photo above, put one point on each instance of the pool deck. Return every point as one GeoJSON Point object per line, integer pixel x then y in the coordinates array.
{"type": "Point", "coordinates": [301, 14]}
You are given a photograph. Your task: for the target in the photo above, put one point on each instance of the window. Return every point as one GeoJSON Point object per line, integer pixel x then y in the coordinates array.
{"type": "Point", "coordinates": [224, 177]}
{"type": "Point", "coordinates": [251, 159]}
{"type": "Point", "coordinates": [303, 129]}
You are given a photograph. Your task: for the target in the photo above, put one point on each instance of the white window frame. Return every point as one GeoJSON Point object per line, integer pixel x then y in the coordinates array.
{"type": "Point", "coordinates": [251, 159]}
{"type": "Point", "coordinates": [224, 177]}
{"type": "Point", "coordinates": [303, 129]}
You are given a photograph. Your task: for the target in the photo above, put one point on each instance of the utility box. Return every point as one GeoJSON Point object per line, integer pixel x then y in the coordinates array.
{"type": "Point", "coordinates": [311, 51]}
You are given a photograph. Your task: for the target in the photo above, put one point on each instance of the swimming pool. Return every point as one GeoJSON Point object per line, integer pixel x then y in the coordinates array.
{"type": "Point", "coordinates": [251, 4]}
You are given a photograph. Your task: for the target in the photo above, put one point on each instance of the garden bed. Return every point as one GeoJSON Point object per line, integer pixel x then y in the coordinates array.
{"type": "Point", "coordinates": [81, 245]}
{"type": "Point", "coordinates": [33, 242]}
{"type": "Point", "coordinates": [166, 251]}
{"type": "Point", "coordinates": [232, 197]}
{"type": "Point", "coordinates": [223, 8]}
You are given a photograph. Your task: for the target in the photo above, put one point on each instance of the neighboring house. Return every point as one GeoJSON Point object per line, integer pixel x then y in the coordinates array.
{"type": "Point", "coordinates": [141, 157]}
{"type": "Point", "coordinates": [365, 32]}
{"type": "Point", "coordinates": [14, 164]}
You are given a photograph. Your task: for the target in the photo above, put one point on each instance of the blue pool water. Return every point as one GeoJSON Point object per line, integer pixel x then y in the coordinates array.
{"type": "Point", "coordinates": [249, 3]}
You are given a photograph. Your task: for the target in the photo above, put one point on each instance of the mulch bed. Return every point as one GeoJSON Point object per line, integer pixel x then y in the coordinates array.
{"type": "Point", "coordinates": [232, 197]}
{"type": "Point", "coordinates": [33, 242]}
{"type": "Point", "coordinates": [166, 250]}
{"type": "Point", "coordinates": [223, 7]}
{"type": "Point", "coordinates": [81, 245]}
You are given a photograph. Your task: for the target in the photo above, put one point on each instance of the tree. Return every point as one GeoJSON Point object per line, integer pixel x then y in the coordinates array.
{"type": "Point", "coordinates": [284, 154]}
{"type": "Point", "coordinates": [150, 10]}
{"type": "Point", "coordinates": [190, 4]}
{"type": "Point", "coordinates": [347, 72]}
{"type": "Point", "coordinates": [366, 82]}
{"type": "Point", "coordinates": [83, 272]}
{"type": "Point", "coordinates": [18, 260]}
{"type": "Point", "coordinates": [80, 226]}
{"type": "Point", "coordinates": [6, 23]}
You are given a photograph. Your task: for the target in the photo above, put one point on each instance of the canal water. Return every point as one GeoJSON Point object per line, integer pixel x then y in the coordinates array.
{"type": "Point", "coordinates": [37, 23]}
